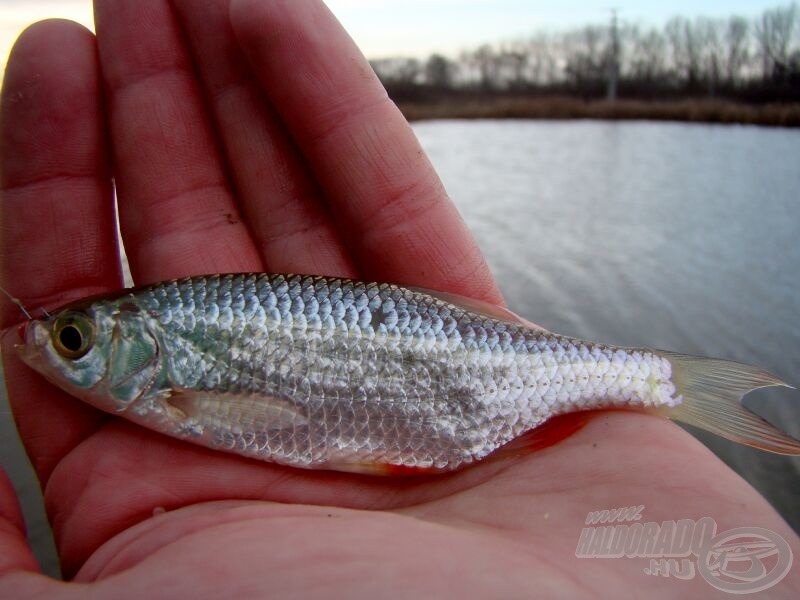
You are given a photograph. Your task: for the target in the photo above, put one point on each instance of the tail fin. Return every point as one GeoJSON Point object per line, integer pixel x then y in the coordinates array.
{"type": "Point", "coordinates": [712, 390]}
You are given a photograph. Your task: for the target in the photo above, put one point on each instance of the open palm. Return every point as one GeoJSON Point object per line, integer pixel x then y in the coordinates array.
{"type": "Point", "coordinates": [252, 136]}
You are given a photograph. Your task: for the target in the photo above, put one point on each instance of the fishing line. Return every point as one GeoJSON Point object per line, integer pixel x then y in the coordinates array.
{"type": "Point", "coordinates": [18, 303]}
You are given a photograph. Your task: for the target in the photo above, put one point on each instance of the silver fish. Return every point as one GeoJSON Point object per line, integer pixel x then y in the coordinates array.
{"type": "Point", "coordinates": [327, 373]}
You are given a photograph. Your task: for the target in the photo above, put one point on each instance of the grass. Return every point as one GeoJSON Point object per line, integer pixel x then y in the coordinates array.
{"type": "Point", "coordinates": [692, 110]}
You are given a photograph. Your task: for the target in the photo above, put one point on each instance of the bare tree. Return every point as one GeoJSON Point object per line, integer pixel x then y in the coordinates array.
{"type": "Point", "coordinates": [397, 71]}
{"type": "Point", "coordinates": [486, 62]}
{"type": "Point", "coordinates": [773, 32]}
{"type": "Point", "coordinates": [585, 56]}
{"type": "Point", "coordinates": [613, 58]}
{"type": "Point", "coordinates": [737, 48]}
{"type": "Point", "coordinates": [648, 62]}
{"type": "Point", "coordinates": [542, 59]}
{"type": "Point", "coordinates": [683, 44]}
{"type": "Point", "coordinates": [709, 36]}
{"type": "Point", "coordinates": [440, 72]}
{"type": "Point", "coordinates": [514, 62]}
{"type": "Point", "coordinates": [718, 55]}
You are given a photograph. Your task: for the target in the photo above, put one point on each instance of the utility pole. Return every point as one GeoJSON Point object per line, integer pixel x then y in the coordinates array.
{"type": "Point", "coordinates": [613, 59]}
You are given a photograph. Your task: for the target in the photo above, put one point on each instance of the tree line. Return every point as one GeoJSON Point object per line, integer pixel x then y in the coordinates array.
{"type": "Point", "coordinates": [754, 60]}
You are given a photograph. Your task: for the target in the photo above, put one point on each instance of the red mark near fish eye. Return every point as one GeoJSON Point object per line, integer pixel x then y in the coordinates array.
{"type": "Point", "coordinates": [21, 330]}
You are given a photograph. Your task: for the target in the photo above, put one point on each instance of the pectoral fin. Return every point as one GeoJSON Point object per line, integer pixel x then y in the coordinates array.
{"type": "Point", "coordinates": [254, 412]}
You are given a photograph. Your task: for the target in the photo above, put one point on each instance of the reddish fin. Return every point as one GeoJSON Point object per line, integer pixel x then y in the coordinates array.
{"type": "Point", "coordinates": [549, 434]}
{"type": "Point", "coordinates": [544, 436]}
{"type": "Point", "coordinates": [382, 469]}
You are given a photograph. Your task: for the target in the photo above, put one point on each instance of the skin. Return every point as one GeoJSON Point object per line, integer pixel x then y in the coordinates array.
{"type": "Point", "coordinates": [250, 135]}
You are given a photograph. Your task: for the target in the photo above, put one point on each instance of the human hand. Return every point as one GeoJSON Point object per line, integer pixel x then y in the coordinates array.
{"type": "Point", "coordinates": [291, 160]}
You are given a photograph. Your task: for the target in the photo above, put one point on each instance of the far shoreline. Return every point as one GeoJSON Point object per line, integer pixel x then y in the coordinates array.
{"type": "Point", "coordinates": [565, 107]}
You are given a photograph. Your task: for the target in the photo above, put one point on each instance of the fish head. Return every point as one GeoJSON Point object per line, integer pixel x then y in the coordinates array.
{"type": "Point", "coordinates": [102, 353]}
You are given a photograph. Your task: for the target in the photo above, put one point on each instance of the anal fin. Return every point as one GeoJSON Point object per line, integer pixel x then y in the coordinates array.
{"type": "Point", "coordinates": [550, 433]}
{"type": "Point", "coordinates": [380, 469]}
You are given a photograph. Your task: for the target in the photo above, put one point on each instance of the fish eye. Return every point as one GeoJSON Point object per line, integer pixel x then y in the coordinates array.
{"type": "Point", "coordinates": [73, 335]}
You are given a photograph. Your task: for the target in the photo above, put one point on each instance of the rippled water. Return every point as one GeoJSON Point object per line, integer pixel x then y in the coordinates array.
{"type": "Point", "coordinates": [675, 236]}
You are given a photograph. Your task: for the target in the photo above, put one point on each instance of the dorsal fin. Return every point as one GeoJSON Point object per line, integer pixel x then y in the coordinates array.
{"type": "Point", "coordinates": [481, 307]}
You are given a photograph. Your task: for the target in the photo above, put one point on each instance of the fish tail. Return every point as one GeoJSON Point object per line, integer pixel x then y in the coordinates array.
{"type": "Point", "coordinates": [712, 391]}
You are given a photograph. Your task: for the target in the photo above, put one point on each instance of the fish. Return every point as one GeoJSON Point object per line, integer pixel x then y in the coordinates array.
{"type": "Point", "coordinates": [327, 373]}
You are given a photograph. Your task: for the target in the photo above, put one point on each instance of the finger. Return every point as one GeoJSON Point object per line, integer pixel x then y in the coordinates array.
{"type": "Point", "coordinates": [15, 553]}
{"type": "Point", "coordinates": [383, 190]}
{"type": "Point", "coordinates": [58, 237]}
{"type": "Point", "coordinates": [278, 197]}
{"type": "Point", "coordinates": [177, 213]}
{"type": "Point", "coordinates": [57, 218]}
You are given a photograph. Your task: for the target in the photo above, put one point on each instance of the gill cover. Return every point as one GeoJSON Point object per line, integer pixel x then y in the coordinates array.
{"type": "Point", "coordinates": [134, 358]}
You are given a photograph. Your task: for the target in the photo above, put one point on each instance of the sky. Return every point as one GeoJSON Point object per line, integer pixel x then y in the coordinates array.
{"type": "Point", "coordinates": [419, 27]}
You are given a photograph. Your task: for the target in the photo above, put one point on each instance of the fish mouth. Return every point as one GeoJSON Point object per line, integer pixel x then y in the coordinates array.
{"type": "Point", "coordinates": [35, 336]}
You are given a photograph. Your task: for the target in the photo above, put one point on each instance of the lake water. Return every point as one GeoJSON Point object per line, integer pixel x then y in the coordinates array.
{"type": "Point", "coordinates": [683, 237]}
